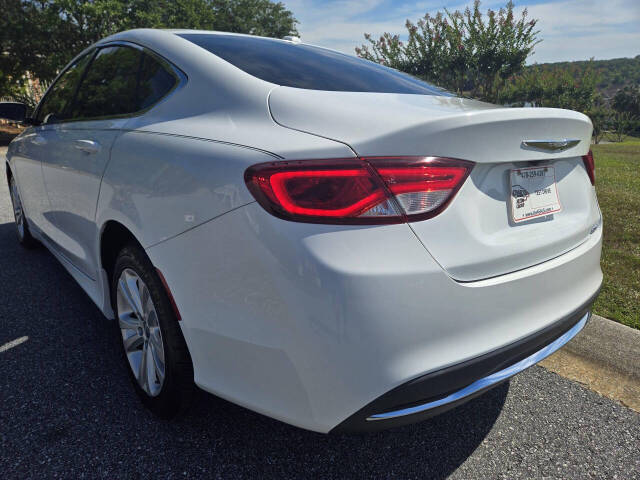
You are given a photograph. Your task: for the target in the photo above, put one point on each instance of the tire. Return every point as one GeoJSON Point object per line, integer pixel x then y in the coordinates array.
{"type": "Point", "coordinates": [150, 332]}
{"type": "Point", "coordinates": [22, 225]}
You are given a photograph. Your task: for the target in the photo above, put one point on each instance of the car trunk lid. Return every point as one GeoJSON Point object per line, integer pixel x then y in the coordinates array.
{"type": "Point", "coordinates": [477, 235]}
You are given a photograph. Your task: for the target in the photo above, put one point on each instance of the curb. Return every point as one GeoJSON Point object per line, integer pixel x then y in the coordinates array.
{"type": "Point", "coordinates": [610, 344]}
{"type": "Point", "coordinates": [605, 357]}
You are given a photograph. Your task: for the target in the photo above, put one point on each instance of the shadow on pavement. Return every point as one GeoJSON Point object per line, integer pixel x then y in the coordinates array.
{"type": "Point", "coordinates": [66, 406]}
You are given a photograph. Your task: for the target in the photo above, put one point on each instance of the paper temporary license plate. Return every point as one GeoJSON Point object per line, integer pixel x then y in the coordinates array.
{"type": "Point", "coordinates": [533, 193]}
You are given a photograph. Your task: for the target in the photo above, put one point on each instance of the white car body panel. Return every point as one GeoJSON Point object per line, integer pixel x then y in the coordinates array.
{"type": "Point", "coordinates": [25, 153]}
{"type": "Point", "coordinates": [488, 242]}
{"type": "Point", "coordinates": [179, 182]}
{"type": "Point", "coordinates": [72, 177]}
{"type": "Point", "coordinates": [379, 124]}
{"type": "Point", "coordinates": [306, 322]}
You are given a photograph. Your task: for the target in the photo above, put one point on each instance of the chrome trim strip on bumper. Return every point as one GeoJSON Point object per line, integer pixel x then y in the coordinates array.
{"type": "Point", "coordinates": [492, 379]}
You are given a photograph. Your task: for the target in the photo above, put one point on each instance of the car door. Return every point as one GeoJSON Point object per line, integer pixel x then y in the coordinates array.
{"type": "Point", "coordinates": [121, 81]}
{"type": "Point", "coordinates": [40, 142]}
{"type": "Point", "coordinates": [102, 104]}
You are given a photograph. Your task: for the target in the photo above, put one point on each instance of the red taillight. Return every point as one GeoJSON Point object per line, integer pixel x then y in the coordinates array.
{"type": "Point", "coordinates": [357, 191]}
{"type": "Point", "coordinates": [422, 186]}
{"type": "Point", "coordinates": [590, 165]}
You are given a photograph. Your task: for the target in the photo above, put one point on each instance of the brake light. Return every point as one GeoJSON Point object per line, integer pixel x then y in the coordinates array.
{"type": "Point", "coordinates": [590, 165]}
{"type": "Point", "coordinates": [372, 190]}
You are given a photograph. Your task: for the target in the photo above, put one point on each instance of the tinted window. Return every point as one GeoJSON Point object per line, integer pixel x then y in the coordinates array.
{"type": "Point", "coordinates": [156, 80]}
{"type": "Point", "coordinates": [305, 66]}
{"type": "Point", "coordinates": [121, 81]}
{"type": "Point", "coordinates": [109, 86]}
{"type": "Point", "coordinates": [56, 103]}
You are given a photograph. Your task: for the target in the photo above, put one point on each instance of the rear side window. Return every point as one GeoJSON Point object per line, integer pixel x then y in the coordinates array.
{"type": "Point", "coordinates": [122, 81]}
{"type": "Point", "coordinates": [305, 66]}
{"type": "Point", "coordinates": [55, 105]}
{"type": "Point", "coordinates": [156, 80]}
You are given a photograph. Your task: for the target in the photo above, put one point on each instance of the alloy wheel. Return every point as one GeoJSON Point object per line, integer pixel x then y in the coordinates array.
{"type": "Point", "coordinates": [18, 212]}
{"type": "Point", "coordinates": [141, 335]}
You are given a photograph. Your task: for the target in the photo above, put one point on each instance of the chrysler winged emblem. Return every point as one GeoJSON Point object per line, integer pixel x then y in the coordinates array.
{"type": "Point", "coordinates": [550, 145]}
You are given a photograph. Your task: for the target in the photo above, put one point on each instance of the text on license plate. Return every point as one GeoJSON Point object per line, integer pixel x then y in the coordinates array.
{"type": "Point", "coordinates": [533, 193]}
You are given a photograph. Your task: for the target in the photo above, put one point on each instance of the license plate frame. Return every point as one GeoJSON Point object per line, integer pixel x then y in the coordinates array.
{"type": "Point", "coordinates": [533, 193]}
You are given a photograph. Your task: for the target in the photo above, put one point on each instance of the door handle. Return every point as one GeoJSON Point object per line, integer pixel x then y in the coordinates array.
{"type": "Point", "coordinates": [87, 146]}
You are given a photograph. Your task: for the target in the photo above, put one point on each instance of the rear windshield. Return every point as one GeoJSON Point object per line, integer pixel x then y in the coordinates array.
{"type": "Point", "coordinates": [305, 66]}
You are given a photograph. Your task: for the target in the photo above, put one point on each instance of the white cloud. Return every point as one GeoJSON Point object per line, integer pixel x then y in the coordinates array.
{"type": "Point", "coordinates": [570, 29]}
{"type": "Point", "coordinates": [579, 30]}
{"type": "Point", "coordinates": [339, 24]}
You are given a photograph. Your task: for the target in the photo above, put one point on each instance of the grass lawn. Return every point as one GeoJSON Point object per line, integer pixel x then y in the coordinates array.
{"type": "Point", "coordinates": [618, 187]}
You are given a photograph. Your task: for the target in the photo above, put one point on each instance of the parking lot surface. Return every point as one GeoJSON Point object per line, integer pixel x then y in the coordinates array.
{"type": "Point", "coordinates": [67, 410]}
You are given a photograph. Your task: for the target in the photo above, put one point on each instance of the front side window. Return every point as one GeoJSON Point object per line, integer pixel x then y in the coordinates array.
{"type": "Point", "coordinates": [305, 66]}
{"type": "Point", "coordinates": [55, 105]}
{"type": "Point", "coordinates": [109, 86]}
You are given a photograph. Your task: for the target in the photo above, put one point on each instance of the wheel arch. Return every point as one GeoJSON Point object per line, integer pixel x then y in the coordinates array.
{"type": "Point", "coordinates": [8, 172]}
{"type": "Point", "coordinates": [113, 237]}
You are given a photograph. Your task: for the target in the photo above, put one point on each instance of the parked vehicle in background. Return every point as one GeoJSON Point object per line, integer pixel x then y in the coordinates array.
{"type": "Point", "coordinates": [310, 235]}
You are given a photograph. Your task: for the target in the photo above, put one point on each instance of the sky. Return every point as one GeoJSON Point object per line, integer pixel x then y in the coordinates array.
{"type": "Point", "coordinates": [570, 29]}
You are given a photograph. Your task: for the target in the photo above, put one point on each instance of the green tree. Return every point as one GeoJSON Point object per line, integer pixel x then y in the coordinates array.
{"type": "Point", "coordinates": [559, 89]}
{"type": "Point", "coordinates": [601, 119]}
{"type": "Point", "coordinates": [41, 36]}
{"type": "Point", "coordinates": [622, 122]}
{"type": "Point", "coordinates": [460, 51]}
{"type": "Point", "coordinates": [627, 99]}
{"type": "Point", "coordinates": [15, 22]}
{"type": "Point", "coordinates": [256, 17]}
{"type": "Point", "coordinates": [609, 72]}
{"type": "Point", "coordinates": [573, 88]}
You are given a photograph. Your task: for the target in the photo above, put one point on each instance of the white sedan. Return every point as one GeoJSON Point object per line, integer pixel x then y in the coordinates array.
{"type": "Point", "coordinates": [313, 236]}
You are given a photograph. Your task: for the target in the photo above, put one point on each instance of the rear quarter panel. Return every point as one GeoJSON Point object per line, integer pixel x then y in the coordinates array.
{"type": "Point", "coordinates": [160, 185]}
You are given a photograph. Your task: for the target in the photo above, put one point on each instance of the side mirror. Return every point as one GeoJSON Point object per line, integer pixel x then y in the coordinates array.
{"type": "Point", "coordinates": [14, 111]}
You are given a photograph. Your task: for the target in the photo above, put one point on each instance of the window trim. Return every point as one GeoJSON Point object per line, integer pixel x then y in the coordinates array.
{"type": "Point", "coordinates": [181, 77]}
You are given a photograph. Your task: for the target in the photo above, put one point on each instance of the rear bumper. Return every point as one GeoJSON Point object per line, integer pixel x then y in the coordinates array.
{"type": "Point", "coordinates": [439, 391]}
{"type": "Point", "coordinates": [310, 324]}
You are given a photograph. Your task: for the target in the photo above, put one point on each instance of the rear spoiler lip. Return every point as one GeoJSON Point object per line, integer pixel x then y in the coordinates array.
{"type": "Point", "coordinates": [489, 136]}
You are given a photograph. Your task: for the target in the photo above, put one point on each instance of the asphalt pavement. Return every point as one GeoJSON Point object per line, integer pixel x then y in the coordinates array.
{"type": "Point", "coordinates": [67, 410]}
